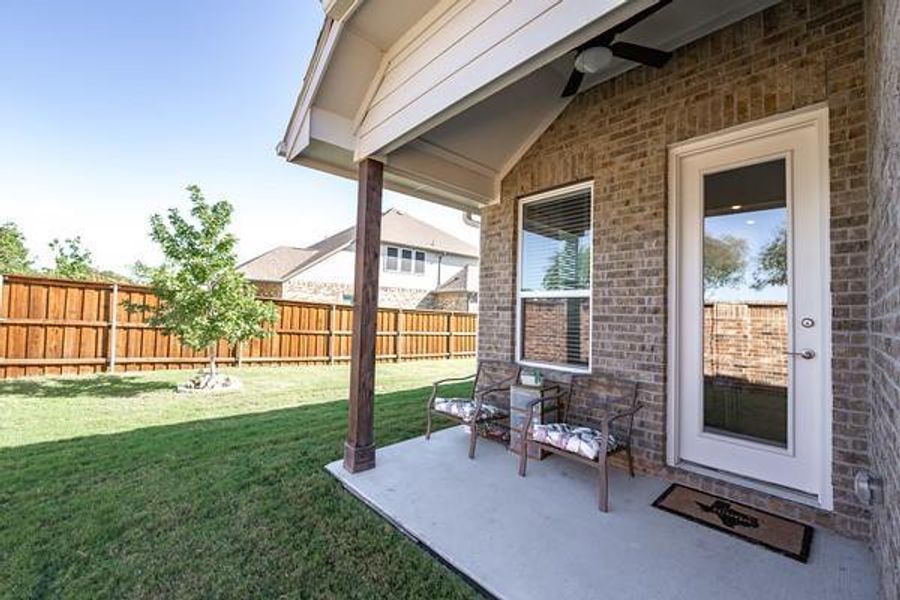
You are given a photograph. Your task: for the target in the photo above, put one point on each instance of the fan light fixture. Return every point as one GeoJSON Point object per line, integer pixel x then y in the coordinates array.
{"type": "Point", "coordinates": [599, 51]}
{"type": "Point", "coordinates": [591, 60]}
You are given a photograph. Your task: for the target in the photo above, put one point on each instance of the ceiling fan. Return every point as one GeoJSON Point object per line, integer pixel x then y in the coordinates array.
{"type": "Point", "coordinates": [596, 53]}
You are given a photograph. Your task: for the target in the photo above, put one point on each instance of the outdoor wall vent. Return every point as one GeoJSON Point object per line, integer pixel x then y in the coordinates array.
{"type": "Point", "coordinates": [869, 489]}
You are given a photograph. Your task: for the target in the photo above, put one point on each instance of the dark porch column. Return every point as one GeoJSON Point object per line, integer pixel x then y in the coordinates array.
{"type": "Point", "coordinates": [359, 449]}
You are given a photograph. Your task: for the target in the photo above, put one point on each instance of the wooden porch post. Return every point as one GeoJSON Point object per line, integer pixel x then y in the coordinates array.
{"type": "Point", "coordinates": [359, 449]}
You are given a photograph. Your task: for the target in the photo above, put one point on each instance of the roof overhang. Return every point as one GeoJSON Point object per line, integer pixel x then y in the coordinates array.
{"type": "Point", "coordinates": [449, 94]}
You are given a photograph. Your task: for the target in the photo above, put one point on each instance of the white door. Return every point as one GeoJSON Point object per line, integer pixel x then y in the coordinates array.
{"type": "Point", "coordinates": [750, 300]}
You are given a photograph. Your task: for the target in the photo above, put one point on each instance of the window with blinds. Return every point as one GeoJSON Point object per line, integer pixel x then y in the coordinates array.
{"type": "Point", "coordinates": [404, 260]}
{"type": "Point", "coordinates": [554, 294]}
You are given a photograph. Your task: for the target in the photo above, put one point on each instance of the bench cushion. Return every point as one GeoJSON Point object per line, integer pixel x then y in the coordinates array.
{"type": "Point", "coordinates": [464, 408]}
{"type": "Point", "coordinates": [583, 441]}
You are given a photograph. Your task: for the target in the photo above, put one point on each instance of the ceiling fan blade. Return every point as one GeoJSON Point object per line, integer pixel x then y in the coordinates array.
{"type": "Point", "coordinates": [640, 54]}
{"type": "Point", "coordinates": [573, 84]}
{"type": "Point", "coordinates": [607, 37]}
{"type": "Point", "coordinates": [638, 17]}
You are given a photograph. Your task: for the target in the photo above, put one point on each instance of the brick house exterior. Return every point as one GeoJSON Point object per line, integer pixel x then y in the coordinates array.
{"type": "Point", "coordinates": [883, 35]}
{"type": "Point", "coordinates": [497, 134]}
{"type": "Point", "coordinates": [790, 56]}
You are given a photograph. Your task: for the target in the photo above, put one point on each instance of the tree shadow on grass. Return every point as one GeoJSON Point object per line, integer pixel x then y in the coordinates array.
{"type": "Point", "coordinates": [99, 386]}
{"type": "Point", "coordinates": [238, 506]}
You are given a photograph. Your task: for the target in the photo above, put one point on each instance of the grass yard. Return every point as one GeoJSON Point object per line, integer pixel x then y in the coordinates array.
{"type": "Point", "coordinates": [114, 486]}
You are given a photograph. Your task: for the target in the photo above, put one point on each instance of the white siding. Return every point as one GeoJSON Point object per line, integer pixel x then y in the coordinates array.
{"type": "Point", "coordinates": [338, 268]}
{"type": "Point", "coordinates": [464, 47]}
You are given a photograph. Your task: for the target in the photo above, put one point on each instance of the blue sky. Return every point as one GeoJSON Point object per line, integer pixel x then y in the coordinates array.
{"type": "Point", "coordinates": [108, 109]}
{"type": "Point", "coordinates": [757, 228]}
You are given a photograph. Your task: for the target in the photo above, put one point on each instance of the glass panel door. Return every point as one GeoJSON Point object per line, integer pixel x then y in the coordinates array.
{"type": "Point", "coordinates": [745, 297]}
{"type": "Point", "coordinates": [750, 329]}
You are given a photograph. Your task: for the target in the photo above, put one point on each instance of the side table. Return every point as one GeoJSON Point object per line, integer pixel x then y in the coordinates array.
{"type": "Point", "coordinates": [546, 412]}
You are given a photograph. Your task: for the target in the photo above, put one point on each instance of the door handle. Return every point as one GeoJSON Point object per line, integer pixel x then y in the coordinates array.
{"type": "Point", "coordinates": [806, 354]}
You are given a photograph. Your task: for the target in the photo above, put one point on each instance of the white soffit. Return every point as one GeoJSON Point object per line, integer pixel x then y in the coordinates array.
{"type": "Point", "coordinates": [378, 71]}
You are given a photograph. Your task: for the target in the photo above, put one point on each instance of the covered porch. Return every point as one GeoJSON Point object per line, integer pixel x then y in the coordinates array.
{"type": "Point", "coordinates": [542, 537]}
{"type": "Point", "coordinates": [589, 172]}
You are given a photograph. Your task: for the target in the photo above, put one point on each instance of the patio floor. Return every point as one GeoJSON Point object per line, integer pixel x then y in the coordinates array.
{"type": "Point", "coordinates": [543, 537]}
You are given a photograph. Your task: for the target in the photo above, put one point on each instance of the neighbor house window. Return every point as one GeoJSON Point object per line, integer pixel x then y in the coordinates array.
{"type": "Point", "coordinates": [404, 260]}
{"type": "Point", "coordinates": [420, 262]}
{"type": "Point", "coordinates": [554, 279]}
{"type": "Point", "coordinates": [391, 259]}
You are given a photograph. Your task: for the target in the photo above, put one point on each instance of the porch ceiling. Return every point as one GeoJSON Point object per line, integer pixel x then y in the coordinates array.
{"type": "Point", "coordinates": [393, 80]}
{"type": "Point", "coordinates": [542, 536]}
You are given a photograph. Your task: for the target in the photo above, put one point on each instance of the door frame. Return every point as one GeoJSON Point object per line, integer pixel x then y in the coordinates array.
{"type": "Point", "coordinates": [816, 116]}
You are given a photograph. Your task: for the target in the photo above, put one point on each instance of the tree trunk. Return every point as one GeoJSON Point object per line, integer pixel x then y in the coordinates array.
{"type": "Point", "coordinates": [212, 361]}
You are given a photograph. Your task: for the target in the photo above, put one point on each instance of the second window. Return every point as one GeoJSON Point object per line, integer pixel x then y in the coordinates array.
{"type": "Point", "coordinates": [554, 279]}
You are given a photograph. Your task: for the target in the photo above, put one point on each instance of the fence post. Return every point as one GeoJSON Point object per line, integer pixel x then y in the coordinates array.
{"type": "Point", "coordinates": [398, 340]}
{"type": "Point", "coordinates": [450, 335]}
{"type": "Point", "coordinates": [113, 326]}
{"type": "Point", "coordinates": [332, 309]}
{"type": "Point", "coordinates": [1, 293]}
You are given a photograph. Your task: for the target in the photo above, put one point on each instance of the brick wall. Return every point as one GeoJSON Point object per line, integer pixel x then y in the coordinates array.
{"type": "Point", "coordinates": [546, 331]}
{"type": "Point", "coordinates": [456, 301]}
{"type": "Point", "coordinates": [792, 55]}
{"type": "Point", "coordinates": [746, 342]}
{"type": "Point", "coordinates": [340, 293]}
{"type": "Point", "coordinates": [268, 289]}
{"type": "Point", "coordinates": [884, 281]}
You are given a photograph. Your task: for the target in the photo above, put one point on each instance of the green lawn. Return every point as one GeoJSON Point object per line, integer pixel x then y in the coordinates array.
{"type": "Point", "coordinates": [117, 487]}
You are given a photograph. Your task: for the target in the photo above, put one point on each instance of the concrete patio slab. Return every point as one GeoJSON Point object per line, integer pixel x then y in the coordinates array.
{"type": "Point", "coordinates": [543, 537]}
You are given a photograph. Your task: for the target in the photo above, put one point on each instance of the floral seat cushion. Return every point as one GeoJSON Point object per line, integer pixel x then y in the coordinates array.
{"type": "Point", "coordinates": [464, 408]}
{"type": "Point", "coordinates": [583, 441]}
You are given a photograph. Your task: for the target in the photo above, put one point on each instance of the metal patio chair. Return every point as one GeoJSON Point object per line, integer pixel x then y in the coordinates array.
{"type": "Point", "coordinates": [484, 406]}
{"type": "Point", "coordinates": [587, 445]}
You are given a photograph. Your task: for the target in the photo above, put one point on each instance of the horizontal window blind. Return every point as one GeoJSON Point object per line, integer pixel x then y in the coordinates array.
{"type": "Point", "coordinates": [556, 244]}
{"type": "Point", "coordinates": [420, 262]}
{"type": "Point", "coordinates": [556, 331]}
{"type": "Point", "coordinates": [406, 260]}
{"type": "Point", "coordinates": [390, 261]}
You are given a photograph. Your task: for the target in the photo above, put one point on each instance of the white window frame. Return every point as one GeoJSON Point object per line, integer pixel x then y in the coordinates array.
{"type": "Point", "coordinates": [399, 269]}
{"type": "Point", "coordinates": [549, 195]}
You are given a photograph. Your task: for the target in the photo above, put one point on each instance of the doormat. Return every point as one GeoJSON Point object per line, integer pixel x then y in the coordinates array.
{"type": "Point", "coordinates": [778, 534]}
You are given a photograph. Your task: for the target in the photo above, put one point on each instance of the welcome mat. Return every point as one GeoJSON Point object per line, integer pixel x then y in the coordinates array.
{"type": "Point", "coordinates": [758, 527]}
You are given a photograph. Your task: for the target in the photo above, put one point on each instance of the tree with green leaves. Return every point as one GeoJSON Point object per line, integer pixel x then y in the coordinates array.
{"type": "Point", "coordinates": [724, 261]}
{"type": "Point", "coordinates": [771, 269]}
{"type": "Point", "coordinates": [570, 268]}
{"type": "Point", "coordinates": [14, 256]}
{"type": "Point", "coordinates": [203, 297]}
{"type": "Point", "coordinates": [71, 259]}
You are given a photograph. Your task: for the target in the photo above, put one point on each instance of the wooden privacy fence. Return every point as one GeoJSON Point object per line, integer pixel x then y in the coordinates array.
{"type": "Point", "coordinates": [57, 326]}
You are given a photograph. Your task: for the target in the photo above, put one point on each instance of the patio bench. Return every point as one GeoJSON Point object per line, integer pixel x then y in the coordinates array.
{"type": "Point", "coordinates": [483, 406]}
{"type": "Point", "coordinates": [585, 444]}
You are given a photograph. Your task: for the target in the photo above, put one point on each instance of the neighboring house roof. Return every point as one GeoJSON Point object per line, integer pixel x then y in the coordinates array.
{"type": "Point", "coordinates": [397, 227]}
{"type": "Point", "coordinates": [275, 264]}
{"type": "Point", "coordinates": [464, 281]}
